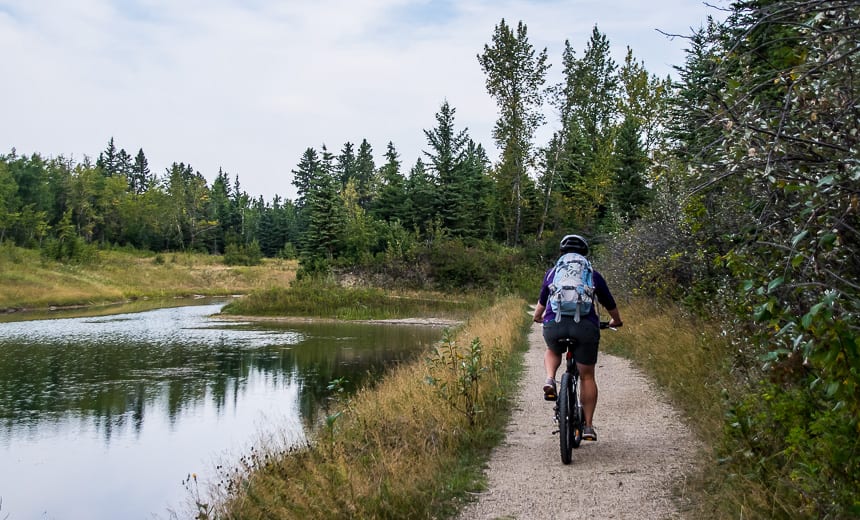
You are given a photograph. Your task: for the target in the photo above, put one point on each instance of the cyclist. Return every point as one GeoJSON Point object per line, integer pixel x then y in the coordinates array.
{"type": "Point", "coordinates": [586, 332]}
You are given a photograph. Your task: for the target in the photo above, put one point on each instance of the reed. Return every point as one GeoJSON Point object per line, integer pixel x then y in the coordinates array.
{"type": "Point", "coordinates": [403, 448]}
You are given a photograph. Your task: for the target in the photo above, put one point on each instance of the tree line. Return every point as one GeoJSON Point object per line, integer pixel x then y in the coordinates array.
{"type": "Point", "coordinates": [348, 208]}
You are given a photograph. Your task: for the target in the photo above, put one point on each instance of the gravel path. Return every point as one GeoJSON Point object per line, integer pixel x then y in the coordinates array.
{"type": "Point", "coordinates": [634, 470]}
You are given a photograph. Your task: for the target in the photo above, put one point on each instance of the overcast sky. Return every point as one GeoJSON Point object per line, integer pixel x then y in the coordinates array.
{"type": "Point", "coordinates": [248, 85]}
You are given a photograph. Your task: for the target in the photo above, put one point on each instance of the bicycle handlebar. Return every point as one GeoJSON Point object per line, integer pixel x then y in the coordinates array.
{"type": "Point", "coordinates": [605, 325]}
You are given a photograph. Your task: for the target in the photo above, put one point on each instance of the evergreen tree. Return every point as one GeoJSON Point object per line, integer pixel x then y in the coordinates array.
{"type": "Point", "coordinates": [365, 174]}
{"type": "Point", "coordinates": [140, 179]}
{"type": "Point", "coordinates": [267, 233]}
{"type": "Point", "coordinates": [423, 193]}
{"type": "Point", "coordinates": [592, 86]}
{"type": "Point", "coordinates": [287, 226]}
{"type": "Point", "coordinates": [108, 162]}
{"type": "Point", "coordinates": [514, 77]}
{"type": "Point", "coordinates": [322, 237]}
{"type": "Point", "coordinates": [446, 155]}
{"type": "Point", "coordinates": [327, 163]}
{"type": "Point", "coordinates": [692, 136]}
{"type": "Point", "coordinates": [392, 203]}
{"type": "Point", "coordinates": [241, 202]}
{"type": "Point", "coordinates": [123, 164]}
{"type": "Point", "coordinates": [345, 166]}
{"type": "Point", "coordinates": [8, 200]}
{"type": "Point", "coordinates": [223, 212]}
{"type": "Point", "coordinates": [476, 214]}
{"type": "Point", "coordinates": [631, 191]}
{"type": "Point", "coordinates": [303, 175]}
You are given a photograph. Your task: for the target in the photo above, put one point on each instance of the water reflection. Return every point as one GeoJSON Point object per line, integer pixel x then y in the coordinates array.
{"type": "Point", "coordinates": [159, 394]}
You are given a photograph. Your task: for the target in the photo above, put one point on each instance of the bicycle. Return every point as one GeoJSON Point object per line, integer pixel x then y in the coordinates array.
{"type": "Point", "coordinates": [569, 414]}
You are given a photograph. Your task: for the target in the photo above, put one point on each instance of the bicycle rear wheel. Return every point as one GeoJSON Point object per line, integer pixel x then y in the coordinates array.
{"type": "Point", "coordinates": [577, 417]}
{"type": "Point", "coordinates": [565, 409]}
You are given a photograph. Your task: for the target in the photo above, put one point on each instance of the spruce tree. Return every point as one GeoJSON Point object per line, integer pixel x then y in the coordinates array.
{"type": "Point", "coordinates": [365, 174]}
{"type": "Point", "coordinates": [392, 203]}
{"type": "Point", "coordinates": [446, 155]}
{"type": "Point", "coordinates": [631, 162]}
{"type": "Point", "coordinates": [140, 179]}
{"type": "Point", "coordinates": [304, 174]}
{"type": "Point", "coordinates": [345, 166]}
{"type": "Point", "coordinates": [108, 161]}
{"type": "Point", "coordinates": [475, 216]}
{"type": "Point", "coordinates": [423, 193]}
{"type": "Point", "coordinates": [322, 237]}
{"type": "Point", "coordinates": [123, 164]}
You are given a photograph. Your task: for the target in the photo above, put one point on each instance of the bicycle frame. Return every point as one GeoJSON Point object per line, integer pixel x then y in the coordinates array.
{"type": "Point", "coordinates": [568, 409]}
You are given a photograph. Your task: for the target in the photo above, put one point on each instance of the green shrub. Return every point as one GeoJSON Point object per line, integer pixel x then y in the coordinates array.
{"type": "Point", "coordinates": [457, 265]}
{"type": "Point", "coordinates": [69, 249]}
{"type": "Point", "coordinates": [313, 268]}
{"type": "Point", "coordinates": [801, 448]}
{"type": "Point", "coordinates": [11, 253]}
{"type": "Point", "coordinates": [289, 252]}
{"type": "Point", "coordinates": [235, 254]}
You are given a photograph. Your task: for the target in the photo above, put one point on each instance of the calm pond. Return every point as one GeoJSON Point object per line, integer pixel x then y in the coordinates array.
{"type": "Point", "coordinates": [104, 417]}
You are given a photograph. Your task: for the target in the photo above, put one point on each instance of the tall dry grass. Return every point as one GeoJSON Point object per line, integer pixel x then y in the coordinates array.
{"type": "Point", "coordinates": [692, 362]}
{"type": "Point", "coordinates": [684, 355]}
{"type": "Point", "coordinates": [401, 449]}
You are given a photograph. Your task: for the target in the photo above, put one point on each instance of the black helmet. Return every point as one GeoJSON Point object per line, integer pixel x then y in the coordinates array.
{"type": "Point", "coordinates": [574, 244]}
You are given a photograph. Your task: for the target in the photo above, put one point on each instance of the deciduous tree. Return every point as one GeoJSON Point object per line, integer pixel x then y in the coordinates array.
{"type": "Point", "coordinates": [515, 75]}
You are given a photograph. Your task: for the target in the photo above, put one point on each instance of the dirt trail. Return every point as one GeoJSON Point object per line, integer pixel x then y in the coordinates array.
{"type": "Point", "coordinates": [643, 452]}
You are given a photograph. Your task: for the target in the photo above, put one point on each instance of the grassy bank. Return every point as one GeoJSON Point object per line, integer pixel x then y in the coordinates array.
{"type": "Point", "coordinates": [317, 299]}
{"type": "Point", "coordinates": [31, 282]}
{"type": "Point", "coordinates": [405, 448]}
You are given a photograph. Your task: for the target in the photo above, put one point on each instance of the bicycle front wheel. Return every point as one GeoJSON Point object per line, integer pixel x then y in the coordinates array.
{"type": "Point", "coordinates": [566, 405]}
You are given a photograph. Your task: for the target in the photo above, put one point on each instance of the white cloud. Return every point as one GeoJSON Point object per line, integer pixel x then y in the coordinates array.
{"type": "Point", "coordinates": [247, 85]}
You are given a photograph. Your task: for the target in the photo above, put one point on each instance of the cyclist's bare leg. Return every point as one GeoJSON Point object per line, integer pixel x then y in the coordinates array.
{"type": "Point", "coordinates": [588, 391]}
{"type": "Point", "coordinates": [551, 362]}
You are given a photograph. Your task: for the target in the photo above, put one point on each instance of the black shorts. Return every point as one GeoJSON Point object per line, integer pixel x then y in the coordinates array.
{"type": "Point", "coordinates": [586, 333]}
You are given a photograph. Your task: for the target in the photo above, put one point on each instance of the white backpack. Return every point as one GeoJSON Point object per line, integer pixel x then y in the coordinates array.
{"type": "Point", "coordinates": [571, 292]}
